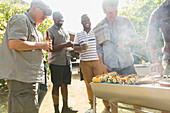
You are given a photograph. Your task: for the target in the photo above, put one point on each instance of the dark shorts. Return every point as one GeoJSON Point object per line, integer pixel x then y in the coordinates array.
{"type": "Point", "coordinates": [125, 71]}
{"type": "Point", "coordinates": [60, 74]}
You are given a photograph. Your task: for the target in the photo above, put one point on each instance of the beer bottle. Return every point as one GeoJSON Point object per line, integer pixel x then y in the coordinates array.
{"type": "Point", "coordinates": [48, 39]}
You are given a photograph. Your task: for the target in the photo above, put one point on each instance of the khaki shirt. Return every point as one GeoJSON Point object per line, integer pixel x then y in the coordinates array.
{"type": "Point", "coordinates": [58, 36]}
{"type": "Point", "coordinates": [24, 66]}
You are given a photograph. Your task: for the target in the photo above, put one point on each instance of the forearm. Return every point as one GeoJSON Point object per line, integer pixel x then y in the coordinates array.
{"type": "Point", "coordinates": [25, 45]}
{"type": "Point", "coordinates": [77, 48]}
{"type": "Point", "coordinates": [154, 57]}
{"type": "Point", "coordinates": [152, 51]}
{"type": "Point", "coordinates": [104, 68]}
{"type": "Point", "coordinates": [58, 47]}
{"type": "Point", "coordinates": [100, 58]}
{"type": "Point", "coordinates": [152, 38]}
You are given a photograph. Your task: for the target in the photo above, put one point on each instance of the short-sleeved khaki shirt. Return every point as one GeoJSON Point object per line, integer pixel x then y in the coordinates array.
{"type": "Point", "coordinates": [24, 66]}
{"type": "Point", "coordinates": [59, 36]}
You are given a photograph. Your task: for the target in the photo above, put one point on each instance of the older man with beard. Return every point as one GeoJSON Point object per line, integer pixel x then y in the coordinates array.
{"type": "Point", "coordinates": [21, 58]}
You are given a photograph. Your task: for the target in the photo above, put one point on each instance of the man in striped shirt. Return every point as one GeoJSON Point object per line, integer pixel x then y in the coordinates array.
{"type": "Point", "coordinates": [85, 44]}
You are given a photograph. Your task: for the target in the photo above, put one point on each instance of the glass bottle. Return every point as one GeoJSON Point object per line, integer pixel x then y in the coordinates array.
{"type": "Point", "coordinates": [47, 38]}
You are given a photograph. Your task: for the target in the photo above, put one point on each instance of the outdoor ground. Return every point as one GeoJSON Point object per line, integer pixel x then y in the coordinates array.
{"type": "Point", "coordinates": [77, 98]}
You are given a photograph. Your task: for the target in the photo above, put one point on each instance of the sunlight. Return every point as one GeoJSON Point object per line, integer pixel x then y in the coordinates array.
{"type": "Point", "coordinates": [73, 9]}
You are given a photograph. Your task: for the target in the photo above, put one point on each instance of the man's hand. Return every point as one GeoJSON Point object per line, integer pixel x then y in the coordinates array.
{"type": "Point", "coordinates": [47, 46]}
{"type": "Point", "coordinates": [77, 48]}
{"type": "Point", "coordinates": [68, 44]}
{"type": "Point", "coordinates": [18, 44]}
{"type": "Point", "coordinates": [157, 67]}
{"type": "Point", "coordinates": [105, 68]}
{"type": "Point", "coordinates": [84, 46]}
{"type": "Point", "coordinates": [64, 45]}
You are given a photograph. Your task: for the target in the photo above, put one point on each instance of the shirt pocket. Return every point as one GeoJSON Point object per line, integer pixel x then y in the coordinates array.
{"type": "Point", "coordinates": [24, 101]}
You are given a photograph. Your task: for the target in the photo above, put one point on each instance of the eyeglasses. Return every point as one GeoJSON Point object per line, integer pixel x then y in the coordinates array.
{"type": "Point", "coordinates": [60, 20]}
{"type": "Point", "coordinates": [45, 12]}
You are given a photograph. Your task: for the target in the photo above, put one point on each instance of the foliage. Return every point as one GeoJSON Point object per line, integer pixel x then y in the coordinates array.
{"type": "Point", "coordinates": [9, 8]}
{"type": "Point", "coordinates": [139, 12]}
{"type": "Point", "coordinates": [2, 82]}
{"type": "Point", "coordinates": [44, 26]}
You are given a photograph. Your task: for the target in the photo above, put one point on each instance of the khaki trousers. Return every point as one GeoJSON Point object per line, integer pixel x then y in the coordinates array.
{"type": "Point", "coordinates": [23, 97]}
{"type": "Point", "coordinates": [91, 69]}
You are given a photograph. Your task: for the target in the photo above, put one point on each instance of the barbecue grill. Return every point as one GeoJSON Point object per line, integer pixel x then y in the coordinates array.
{"type": "Point", "coordinates": [147, 95]}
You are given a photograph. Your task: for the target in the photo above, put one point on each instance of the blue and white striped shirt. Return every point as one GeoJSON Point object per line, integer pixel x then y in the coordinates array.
{"type": "Point", "coordinates": [91, 53]}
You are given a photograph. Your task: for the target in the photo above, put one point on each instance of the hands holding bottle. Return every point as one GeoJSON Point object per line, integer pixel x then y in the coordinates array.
{"type": "Point", "coordinates": [47, 46]}
{"type": "Point", "coordinates": [48, 42]}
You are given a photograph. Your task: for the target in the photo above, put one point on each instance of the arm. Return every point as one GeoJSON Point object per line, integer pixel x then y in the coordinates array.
{"type": "Point", "coordinates": [151, 44]}
{"type": "Point", "coordinates": [19, 33]}
{"type": "Point", "coordinates": [62, 46]}
{"type": "Point", "coordinates": [18, 44]}
{"type": "Point", "coordinates": [100, 52]}
{"type": "Point", "coordinates": [77, 47]}
{"type": "Point", "coordinates": [103, 66]}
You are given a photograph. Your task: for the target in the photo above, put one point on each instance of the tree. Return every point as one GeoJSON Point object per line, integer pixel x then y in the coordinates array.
{"type": "Point", "coordinates": [9, 8]}
{"type": "Point", "coordinates": [139, 12]}
{"type": "Point", "coordinates": [44, 26]}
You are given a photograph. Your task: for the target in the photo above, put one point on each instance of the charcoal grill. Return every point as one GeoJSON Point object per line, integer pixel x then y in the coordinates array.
{"type": "Point", "coordinates": [149, 95]}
